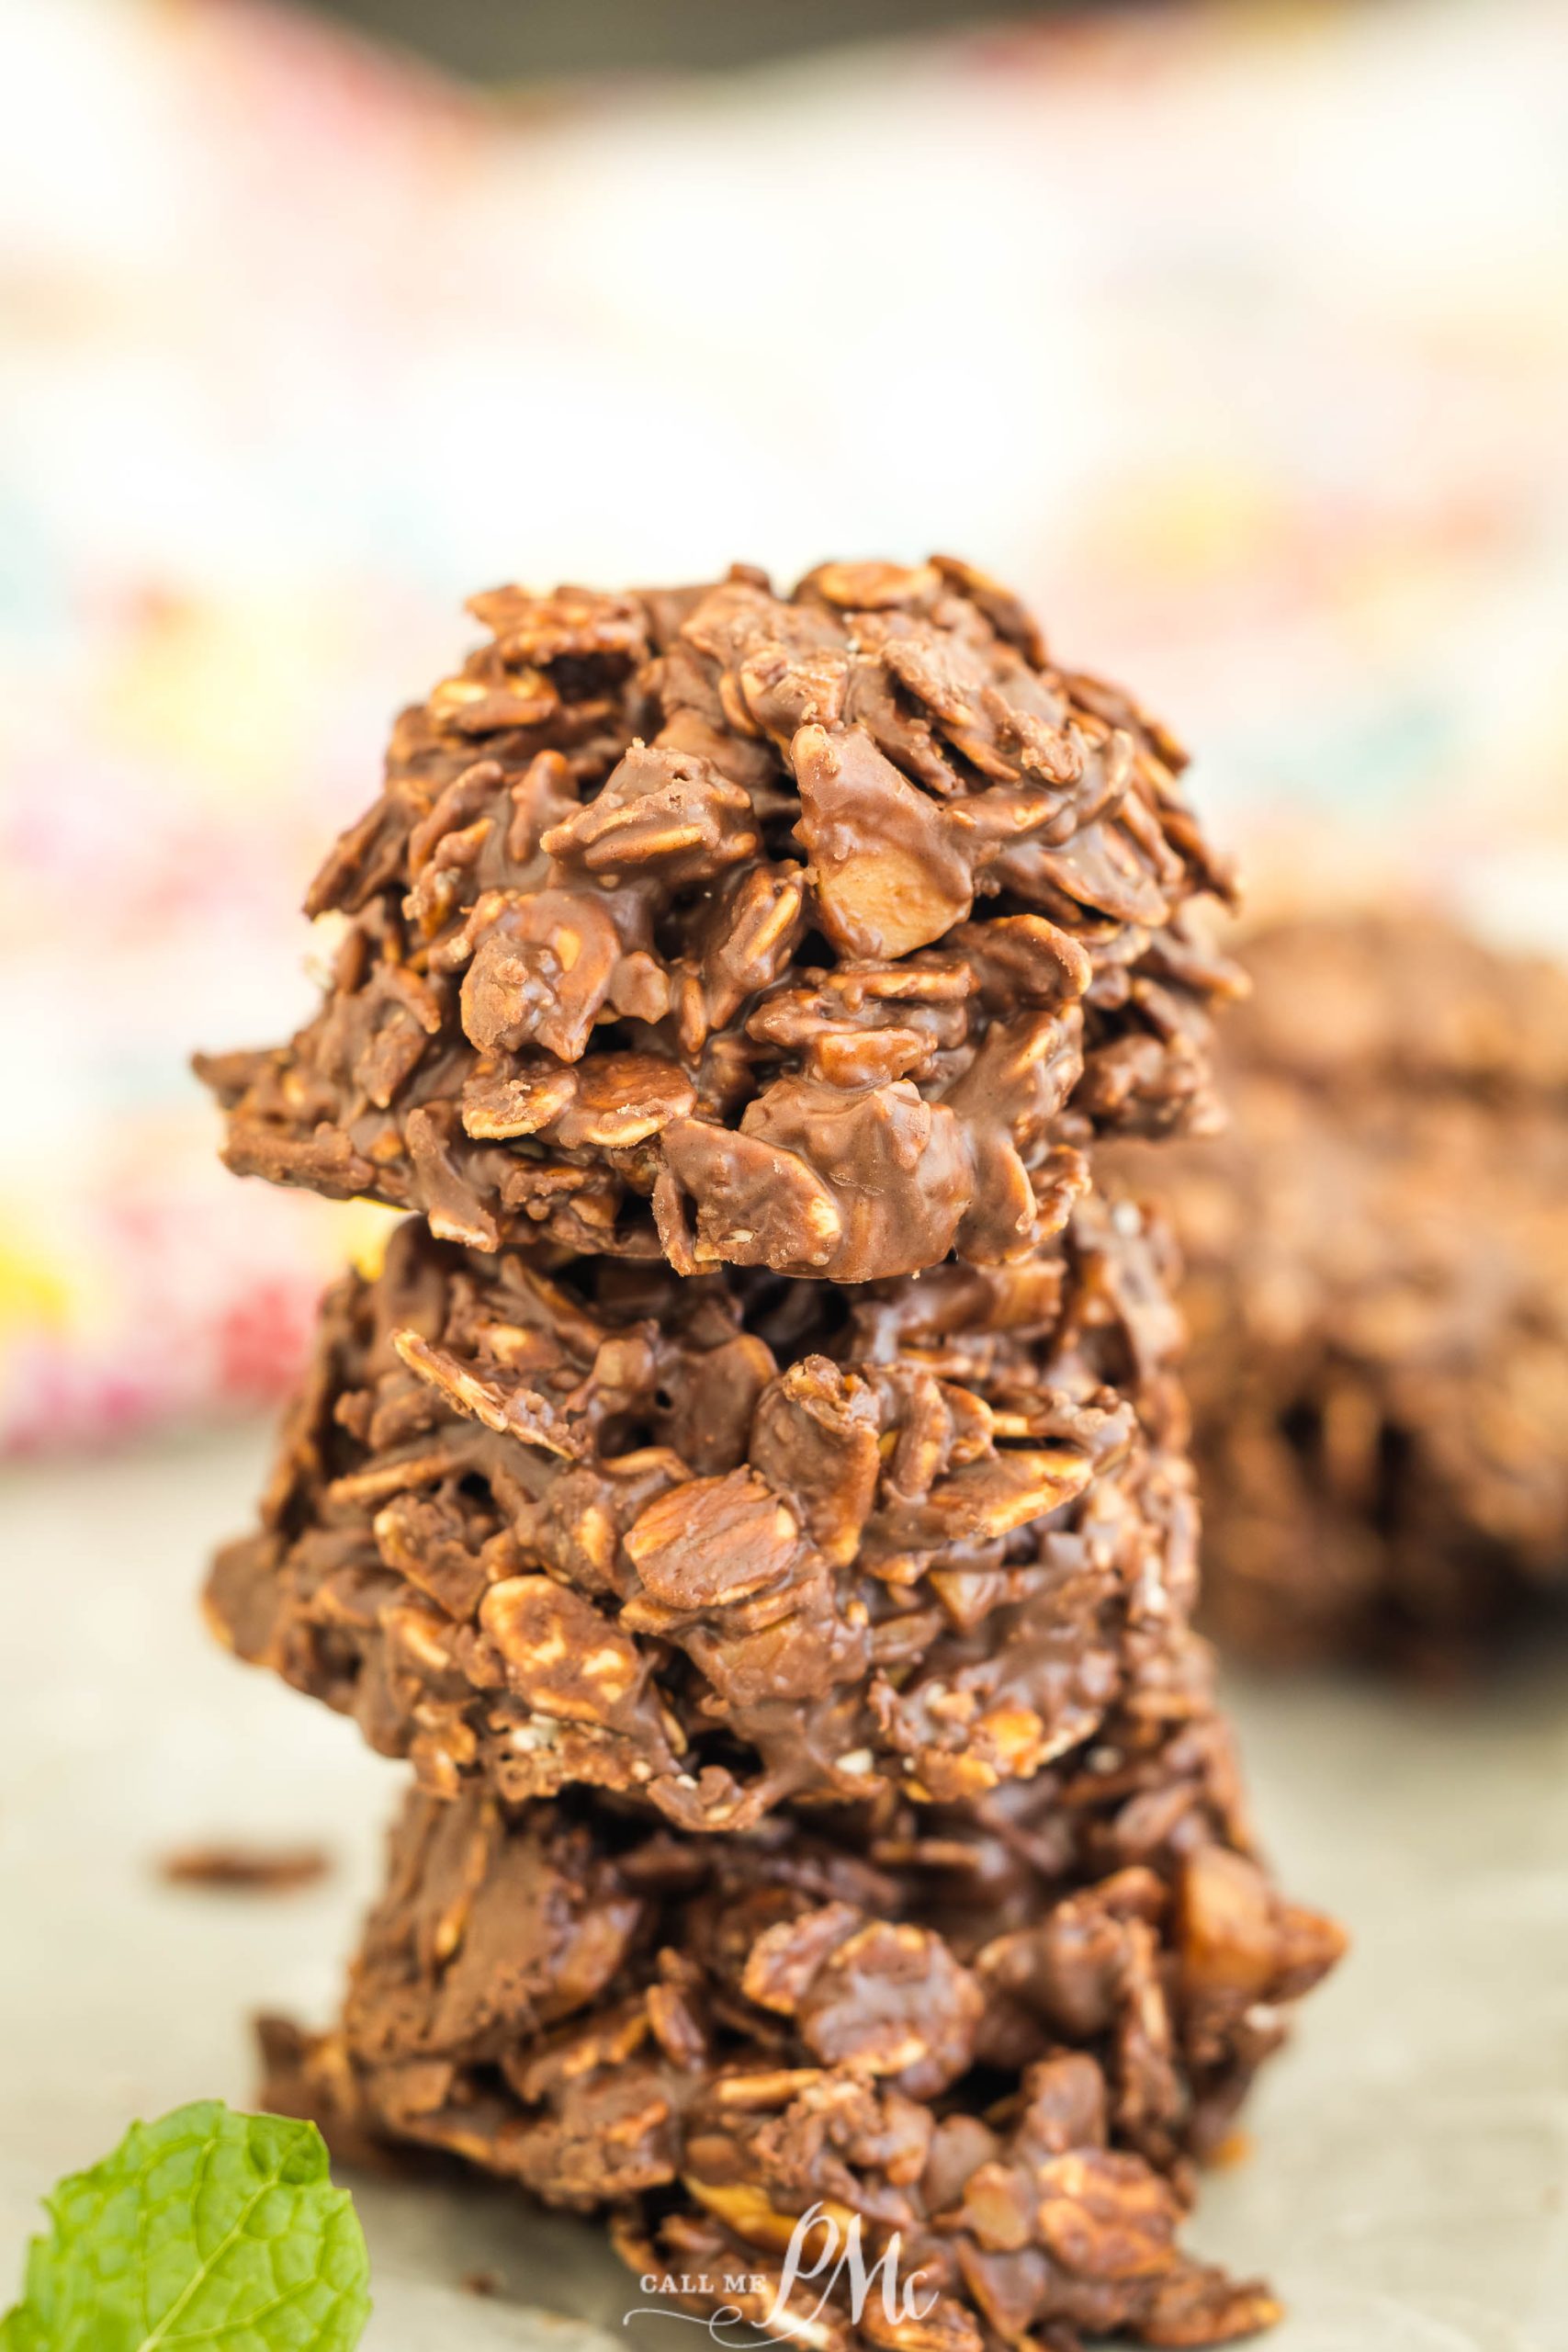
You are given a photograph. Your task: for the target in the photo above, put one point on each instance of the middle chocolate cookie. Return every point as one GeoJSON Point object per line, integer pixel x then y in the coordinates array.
{"type": "Point", "coordinates": [726, 1543]}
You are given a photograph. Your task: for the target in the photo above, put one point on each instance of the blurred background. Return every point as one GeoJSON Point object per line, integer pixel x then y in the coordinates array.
{"type": "Point", "coordinates": [1238, 337]}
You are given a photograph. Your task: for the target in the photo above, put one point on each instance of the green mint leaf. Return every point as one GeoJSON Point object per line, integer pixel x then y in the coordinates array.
{"type": "Point", "coordinates": [208, 2228]}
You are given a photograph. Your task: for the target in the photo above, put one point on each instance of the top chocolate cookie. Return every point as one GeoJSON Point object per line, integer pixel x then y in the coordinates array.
{"type": "Point", "coordinates": [818, 933]}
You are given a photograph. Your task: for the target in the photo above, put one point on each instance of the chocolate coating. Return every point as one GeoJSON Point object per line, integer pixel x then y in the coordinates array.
{"type": "Point", "coordinates": [1378, 1291]}
{"type": "Point", "coordinates": [818, 933]}
{"type": "Point", "coordinates": [1006, 2050]}
{"type": "Point", "coordinates": [723, 1541]}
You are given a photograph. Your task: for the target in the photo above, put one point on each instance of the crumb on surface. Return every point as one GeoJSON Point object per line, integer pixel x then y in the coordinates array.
{"type": "Point", "coordinates": [232, 1865]}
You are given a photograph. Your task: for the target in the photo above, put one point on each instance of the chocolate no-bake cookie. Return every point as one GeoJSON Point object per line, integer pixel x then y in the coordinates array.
{"type": "Point", "coordinates": [1003, 2034]}
{"type": "Point", "coordinates": [1378, 1291]}
{"type": "Point", "coordinates": [818, 933]}
{"type": "Point", "coordinates": [730, 1540]}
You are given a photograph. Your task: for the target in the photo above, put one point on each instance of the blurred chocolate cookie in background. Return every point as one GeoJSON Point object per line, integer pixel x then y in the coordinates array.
{"type": "Point", "coordinates": [1377, 1285]}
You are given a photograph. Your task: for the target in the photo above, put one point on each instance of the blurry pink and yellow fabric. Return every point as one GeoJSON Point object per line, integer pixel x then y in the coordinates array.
{"type": "Point", "coordinates": [1240, 338]}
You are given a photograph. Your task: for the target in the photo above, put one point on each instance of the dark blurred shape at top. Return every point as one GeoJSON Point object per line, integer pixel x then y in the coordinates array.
{"type": "Point", "coordinates": [526, 40]}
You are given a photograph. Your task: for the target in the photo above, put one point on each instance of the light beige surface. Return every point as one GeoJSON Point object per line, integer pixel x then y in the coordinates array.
{"type": "Point", "coordinates": [1409, 2183]}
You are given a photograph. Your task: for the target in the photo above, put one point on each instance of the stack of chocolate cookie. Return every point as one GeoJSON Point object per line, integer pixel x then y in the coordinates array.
{"type": "Point", "coordinates": [753, 1491]}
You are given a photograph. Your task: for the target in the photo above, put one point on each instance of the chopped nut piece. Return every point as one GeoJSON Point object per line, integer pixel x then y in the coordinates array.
{"type": "Point", "coordinates": [663, 813]}
{"type": "Point", "coordinates": [714, 1540]}
{"type": "Point", "coordinates": [559, 1653]}
{"type": "Point", "coordinates": [886, 877]}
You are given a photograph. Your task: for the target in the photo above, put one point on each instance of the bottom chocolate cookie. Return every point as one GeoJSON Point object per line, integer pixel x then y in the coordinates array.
{"type": "Point", "coordinates": [982, 2049]}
